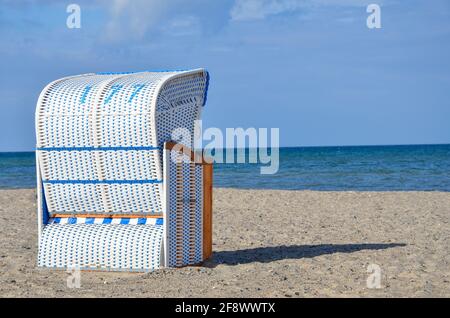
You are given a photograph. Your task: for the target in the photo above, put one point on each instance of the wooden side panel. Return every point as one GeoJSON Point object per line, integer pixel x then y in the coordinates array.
{"type": "Point", "coordinates": [207, 210]}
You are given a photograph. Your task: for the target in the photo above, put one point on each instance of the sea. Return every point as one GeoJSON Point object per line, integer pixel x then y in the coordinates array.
{"type": "Point", "coordinates": [346, 168]}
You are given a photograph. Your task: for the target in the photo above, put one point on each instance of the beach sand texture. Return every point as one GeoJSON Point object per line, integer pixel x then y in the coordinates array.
{"type": "Point", "coordinates": [266, 244]}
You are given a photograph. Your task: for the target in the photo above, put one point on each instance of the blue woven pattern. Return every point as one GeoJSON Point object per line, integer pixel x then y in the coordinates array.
{"type": "Point", "coordinates": [64, 116]}
{"type": "Point", "coordinates": [96, 129]}
{"type": "Point", "coordinates": [122, 165]}
{"type": "Point", "coordinates": [102, 198]}
{"type": "Point", "coordinates": [99, 150]}
{"type": "Point", "coordinates": [101, 246]}
{"type": "Point", "coordinates": [179, 105]}
{"type": "Point", "coordinates": [184, 215]}
{"type": "Point", "coordinates": [198, 217]}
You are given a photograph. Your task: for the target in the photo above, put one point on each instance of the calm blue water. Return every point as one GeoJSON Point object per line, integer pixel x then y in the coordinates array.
{"type": "Point", "coordinates": [368, 168]}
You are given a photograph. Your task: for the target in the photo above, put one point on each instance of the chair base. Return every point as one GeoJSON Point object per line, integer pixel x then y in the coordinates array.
{"type": "Point", "coordinates": [108, 247]}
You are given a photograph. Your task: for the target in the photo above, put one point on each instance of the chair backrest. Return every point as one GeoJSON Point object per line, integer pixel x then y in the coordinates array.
{"type": "Point", "coordinates": [100, 138]}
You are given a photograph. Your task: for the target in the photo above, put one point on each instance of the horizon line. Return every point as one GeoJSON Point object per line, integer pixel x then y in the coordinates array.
{"type": "Point", "coordinates": [329, 146]}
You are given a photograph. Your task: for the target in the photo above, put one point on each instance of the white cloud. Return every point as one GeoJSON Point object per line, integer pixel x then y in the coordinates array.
{"type": "Point", "coordinates": [182, 26]}
{"type": "Point", "coordinates": [259, 9]}
{"type": "Point", "coordinates": [134, 18]}
{"type": "Point", "coordinates": [243, 10]}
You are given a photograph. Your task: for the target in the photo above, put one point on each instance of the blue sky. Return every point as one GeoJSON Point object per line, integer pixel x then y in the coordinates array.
{"type": "Point", "coordinates": [310, 67]}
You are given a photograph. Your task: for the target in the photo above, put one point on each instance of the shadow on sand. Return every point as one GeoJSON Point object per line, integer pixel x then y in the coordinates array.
{"type": "Point", "coordinates": [275, 253]}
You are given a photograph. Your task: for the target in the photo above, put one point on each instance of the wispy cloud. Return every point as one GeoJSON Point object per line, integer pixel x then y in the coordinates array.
{"type": "Point", "coordinates": [134, 18]}
{"type": "Point", "coordinates": [183, 26]}
{"type": "Point", "coordinates": [259, 9]}
{"type": "Point", "coordinates": [244, 10]}
{"type": "Point", "coordinates": [137, 19]}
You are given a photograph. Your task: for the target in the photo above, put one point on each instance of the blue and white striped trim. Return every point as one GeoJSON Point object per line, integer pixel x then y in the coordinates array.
{"type": "Point", "coordinates": [102, 181]}
{"type": "Point", "coordinates": [92, 220]}
{"type": "Point", "coordinates": [131, 148]}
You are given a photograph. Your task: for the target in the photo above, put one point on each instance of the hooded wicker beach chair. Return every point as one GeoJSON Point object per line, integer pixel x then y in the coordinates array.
{"type": "Point", "coordinates": [115, 191]}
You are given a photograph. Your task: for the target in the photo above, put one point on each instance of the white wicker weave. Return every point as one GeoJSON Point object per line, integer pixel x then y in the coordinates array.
{"type": "Point", "coordinates": [183, 221]}
{"type": "Point", "coordinates": [99, 151]}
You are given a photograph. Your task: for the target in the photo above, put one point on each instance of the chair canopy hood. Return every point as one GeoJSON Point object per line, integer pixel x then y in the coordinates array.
{"type": "Point", "coordinates": [99, 137]}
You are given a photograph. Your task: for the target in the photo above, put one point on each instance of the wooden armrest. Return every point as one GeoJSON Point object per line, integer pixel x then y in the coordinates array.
{"type": "Point", "coordinates": [195, 157]}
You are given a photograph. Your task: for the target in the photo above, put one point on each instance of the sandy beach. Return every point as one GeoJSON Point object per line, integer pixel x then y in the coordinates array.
{"type": "Point", "coordinates": [267, 244]}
